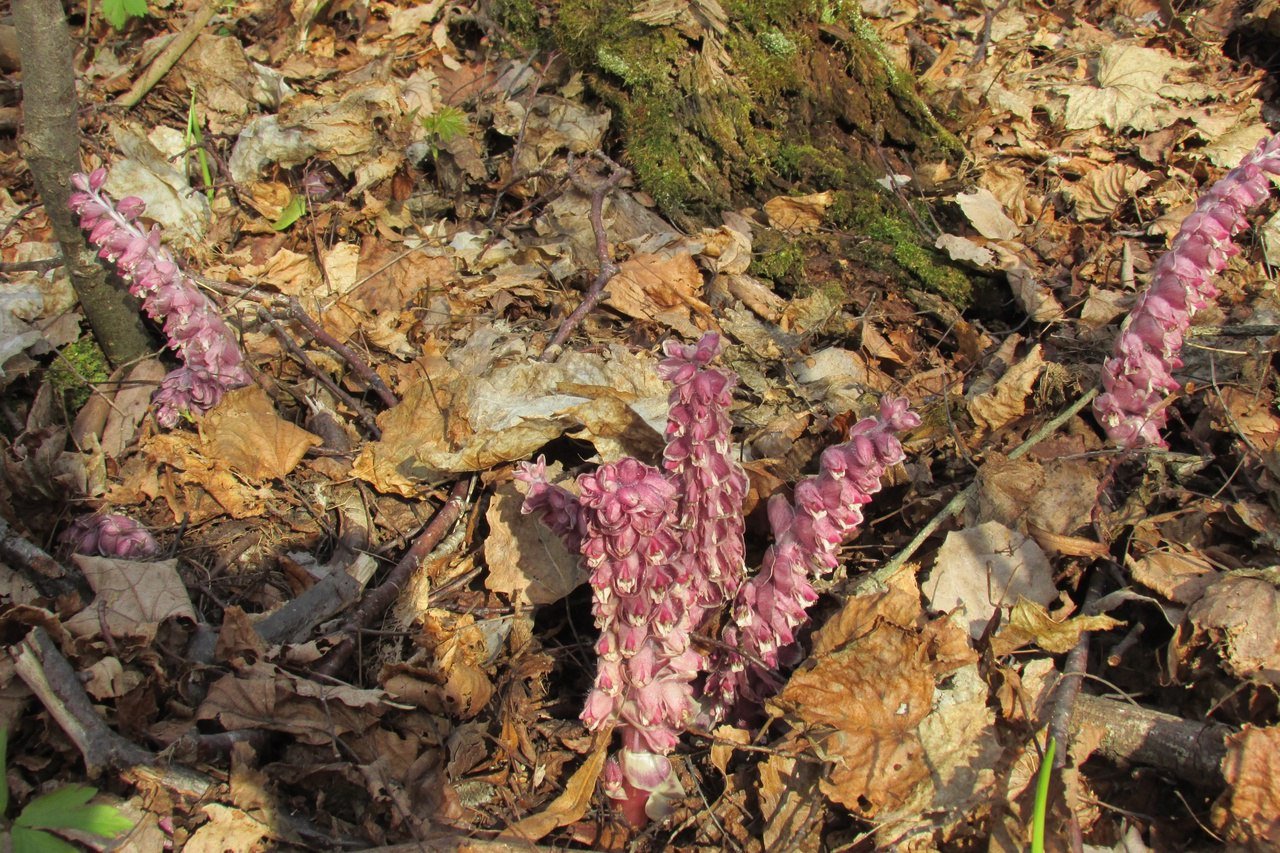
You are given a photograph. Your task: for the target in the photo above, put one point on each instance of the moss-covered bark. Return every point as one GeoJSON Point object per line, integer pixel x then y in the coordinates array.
{"type": "Point", "coordinates": [724, 107]}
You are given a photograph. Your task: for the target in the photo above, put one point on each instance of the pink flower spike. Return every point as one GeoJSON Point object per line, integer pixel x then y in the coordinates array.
{"type": "Point", "coordinates": [1152, 335]}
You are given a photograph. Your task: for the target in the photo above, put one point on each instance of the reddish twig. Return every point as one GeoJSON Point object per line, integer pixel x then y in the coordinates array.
{"type": "Point", "coordinates": [350, 356]}
{"type": "Point", "coordinates": [366, 417]}
{"type": "Point", "coordinates": [376, 602]}
{"type": "Point", "coordinates": [608, 269]}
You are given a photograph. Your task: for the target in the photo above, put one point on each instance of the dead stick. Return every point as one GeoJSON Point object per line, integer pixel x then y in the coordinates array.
{"type": "Point", "coordinates": [350, 356]}
{"type": "Point", "coordinates": [1188, 749]}
{"type": "Point", "coordinates": [608, 269]}
{"type": "Point", "coordinates": [366, 417]}
{"type": "Point", "coordinates": [169, 57]}
{"type": "Point", "coordinates": [39, 663]}
{"type": "Point", "coordinates": [50, 578]}
{"type": "Point", "coordinates": [376, 602]}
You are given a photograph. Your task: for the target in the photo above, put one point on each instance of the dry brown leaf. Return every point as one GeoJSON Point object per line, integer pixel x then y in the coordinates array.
{"type": "Point", "coordinates": [573, 801]}
{"type": "Point", "coordinates": [722, 746]}
{"type": "Point", "coordinates": [526, 561]}
{"type": "Point", "coordinates": [129, 406]}
{"type": "Point", "coordinates": [794, 214]}
{"type": "Point", "coordinates": [1030, 623]}
{"type": "Point", "coordinates": [985, 212]}
{"type": "Point", "coordinates": [1246, 413]}
{"type": "Point", "coordinates": [665, 290]}
{"type": "Point", "coordinates": [1180, 576]}
{"type": "Point", "coordinates": [244, 432]}
{"type": "Point", "coordinates": [227, 829]}
{"type": "Point", "coordinates": [132, 599]}
{"type": "Point", "coordinates": [286, 271]}
{"type": "Point", "coordinates": [1005, 402]}
{"type": "Point", "coordinates": [1248, 812]}
{"type": "Point", "coordinates": [980, 569]}
{"type": "Point", "coordinates": [790, 805]}
{"type": "Point", "coordinates": [866, 723]}
{"type": "Point", "coordinates": [1240, 617]}
{"type": "Point", "coordinates": [1101, 193]}
{"type": "Point", "coordinates": [263, 696]}
{"type": "Point", "coordinates": [269, 198]}
{"type": "Point", "coordinates": [468, 420]}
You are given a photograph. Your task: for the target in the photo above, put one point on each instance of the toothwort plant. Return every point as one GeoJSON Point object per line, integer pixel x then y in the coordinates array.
{"type": "Point", "coordinates": [664, 550]}
{"type": "Point", "coordinates": [212, 361]}
{"type": "Point", "coordinates": [1139, 374]}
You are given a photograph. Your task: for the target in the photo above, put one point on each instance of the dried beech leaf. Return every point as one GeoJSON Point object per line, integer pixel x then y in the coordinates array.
{"type": "Point", "coordinates": [244, 432]}
{"type": "Point", "coordinates": [1248, 812]}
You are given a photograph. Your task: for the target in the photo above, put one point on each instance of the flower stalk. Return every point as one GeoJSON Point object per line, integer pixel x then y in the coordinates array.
{"type": "Point", "coordinates": [212, 361]}
{"type": "Point", "coordinates": [664, 551]}
{"type": "Point", "coordinates": [1137, 377]}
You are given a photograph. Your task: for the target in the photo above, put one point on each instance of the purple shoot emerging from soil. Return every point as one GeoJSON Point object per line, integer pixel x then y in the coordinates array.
{"type": "Point", "coordinates": [212, 361]}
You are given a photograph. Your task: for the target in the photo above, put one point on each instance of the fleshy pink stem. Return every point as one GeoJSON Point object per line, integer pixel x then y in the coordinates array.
{"type": "Point", "coordinates": [1136, 379]}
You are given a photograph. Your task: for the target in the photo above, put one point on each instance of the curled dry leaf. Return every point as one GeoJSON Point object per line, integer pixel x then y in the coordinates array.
{"type": "Point", "coordinates": [1239, 617]}
{"type": "Point", "coordinates": [794, 214]}
{"type": "Point", "coordinates": [1030, 623]}
{"type": "Point", "coordinates": [1248, 812]}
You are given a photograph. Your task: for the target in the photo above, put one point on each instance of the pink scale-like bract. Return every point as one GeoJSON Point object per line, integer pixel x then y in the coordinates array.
{"type": "Point", "coordinates": [664, 550]}
{"type": "Point", "coordinates": [1140, 372]}
{"type": "Point", "coordinates": [212, 361]}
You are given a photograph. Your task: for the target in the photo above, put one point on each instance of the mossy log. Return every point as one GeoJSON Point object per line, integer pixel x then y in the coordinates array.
{"type": "Point", "coordinates": [720, 107]}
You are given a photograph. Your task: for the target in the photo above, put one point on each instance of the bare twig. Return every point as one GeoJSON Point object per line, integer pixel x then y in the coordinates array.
{"type": "Point", "coordinates": [169, 57]}
{"type": "Point", "coordinates": [350, 356]}
{"type": "Point", "coordinates": [608, 269]}
{"type": "Point", "coordinates": [376, 602]}
{"type": "Point", "coordinates": [366, 417]}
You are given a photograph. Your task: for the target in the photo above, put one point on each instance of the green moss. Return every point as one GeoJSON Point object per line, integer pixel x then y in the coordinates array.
{"type": "Point", "coordinates": [777, 259]}
{"type": "Point", "coordinates": [521, 21]}
{"type": "Point", "coordinates": [77, 369]}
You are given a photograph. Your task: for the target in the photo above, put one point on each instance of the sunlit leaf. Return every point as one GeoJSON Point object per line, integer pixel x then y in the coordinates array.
{"type": "Point", "coordinates": [291, 213]}
{"type": "Point", "coordinates": [68, 808]}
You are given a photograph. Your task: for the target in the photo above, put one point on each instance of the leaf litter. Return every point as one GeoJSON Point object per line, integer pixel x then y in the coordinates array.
{"type": "Point", "coordinates": [916, 717]}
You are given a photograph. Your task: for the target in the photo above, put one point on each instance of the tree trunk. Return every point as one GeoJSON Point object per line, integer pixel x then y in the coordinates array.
{"type": "Point", "coordinates": [723, 108]}
{"type": "Point", "coordinates": [51, 146]}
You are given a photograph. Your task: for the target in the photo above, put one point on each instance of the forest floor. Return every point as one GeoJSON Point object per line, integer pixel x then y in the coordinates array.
{"type": "Point", "coordinates": [353, 638]}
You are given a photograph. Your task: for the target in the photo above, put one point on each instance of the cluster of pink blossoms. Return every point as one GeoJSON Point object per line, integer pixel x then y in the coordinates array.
{"type": "Point", "coordinates": [111, 535]}
{"type": "Point", "coordinates": [664, 549]}
{"type": "Point", "coordinates": [1140, 373]}
{"type": "Point", "coordinates": [212, 362]}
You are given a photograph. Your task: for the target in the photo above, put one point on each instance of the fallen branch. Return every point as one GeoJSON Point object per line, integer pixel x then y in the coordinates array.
{"type": "Point", "coordinates": [169, 57]}
{"type": "Point", "coordinates": [50, 578]}
{"type": "Point", "coordinates": [377, 602]}
{"type": "Point", "coordinates": [1188, 749]}
{"type": "Point", "coordinates": [350, 356]}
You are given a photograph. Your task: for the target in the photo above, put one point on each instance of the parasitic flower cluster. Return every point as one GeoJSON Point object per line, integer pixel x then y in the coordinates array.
{"type": "Point", "coordinates": [110, 535]}
{"type": "Point", "coordinates": [212, 361]}
{"type": "Point", "coordinates": [664, 550]}
{"type": "Point", "coordinates": [1140, 372]}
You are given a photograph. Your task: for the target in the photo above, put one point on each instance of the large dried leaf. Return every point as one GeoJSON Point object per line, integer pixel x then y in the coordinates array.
{"type": "Point", "coordinates": [132, 599]}
{"type": "Point", "coordinates": [660, 289]}
{"type": "Point", "coordinates": [573, 801]}
{"type": "Point", "coordinates": [244, 432]}
{"type": "Point", "coordinates": [1248, 812]}
{"type": "Point", "coordinates": [1006, 400]}
{"type": "Point", "coordinates": [1239, 617]}
{"type": "Point", "coordinates": [526, 561]}
{"type": "Point", "coordinates": [452, 420]}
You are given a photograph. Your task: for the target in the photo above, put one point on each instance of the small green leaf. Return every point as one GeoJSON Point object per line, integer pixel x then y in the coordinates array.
{"type": "Point", "coordinates": [34, 841]}
{"type": "Point", "coordinates": [292, 212]}
{"type": "Point", "coordinates": [68, 808]}
{"type": "Point", "coordinates": [118, 12]}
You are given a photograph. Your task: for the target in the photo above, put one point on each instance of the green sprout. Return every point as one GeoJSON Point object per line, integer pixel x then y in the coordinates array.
{"type": "Point", "coordinates": [118, 12]}
{"type": "Point", "coordinates": [65, 808]}
{"type": "Point", "coordinates": [443, 126]}
{"type": "Point", "coordinates": [195, 138]}
{"type": "Point", "coordinates": [1042, 797]}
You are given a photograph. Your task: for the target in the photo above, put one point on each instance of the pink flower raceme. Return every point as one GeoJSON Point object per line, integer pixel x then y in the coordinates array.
{"type": "Point", "coordinates": [1137, 377]}
{"type": "Point", "coordinates": [807, 538]}
{"type": "Point", "coordinates": [665, 550]}
{"type": "Point", "coordinates": [109, 535]}
{"type": "Point", "coordinates": [212, 361]}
